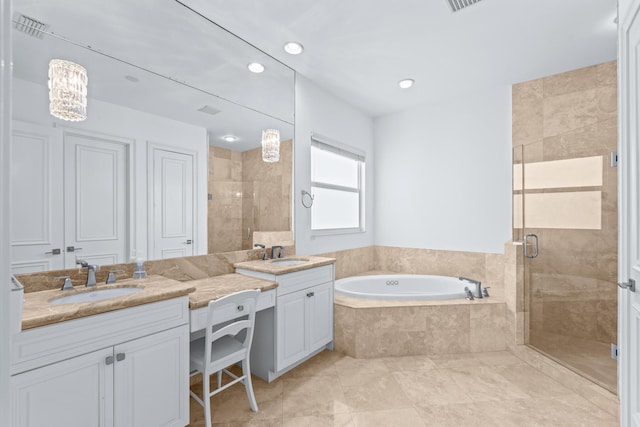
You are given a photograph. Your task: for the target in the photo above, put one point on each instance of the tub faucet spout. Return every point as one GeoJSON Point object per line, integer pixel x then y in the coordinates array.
{"type": "Point", "coordinates": [478, 292]}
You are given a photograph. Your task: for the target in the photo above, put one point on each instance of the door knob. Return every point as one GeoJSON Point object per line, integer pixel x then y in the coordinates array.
{"type": "Point", "coordinates": [55, 251]}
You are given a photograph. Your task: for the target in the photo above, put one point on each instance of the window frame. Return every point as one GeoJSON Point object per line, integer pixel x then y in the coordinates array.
{"type": "Point", "coordinates": [327, 144]}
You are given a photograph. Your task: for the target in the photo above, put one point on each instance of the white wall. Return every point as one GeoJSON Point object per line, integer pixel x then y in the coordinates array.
{"type": "Point", "coordinates": [443, 175]}
{"type": "Point", "coordinates": [317, 111]}
{"type": "Point", "coordinates": [31, 104]}
{"type": "Point", "coordinates": [5, 247]}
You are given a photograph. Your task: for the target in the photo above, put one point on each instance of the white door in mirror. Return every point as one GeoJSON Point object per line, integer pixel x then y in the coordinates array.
{"type": "Point", "coordinates": [172, 179]}
{"type": "Point", "coordinates": [95, 198]}
{"type": "Point", "coordinates": [36, 198]}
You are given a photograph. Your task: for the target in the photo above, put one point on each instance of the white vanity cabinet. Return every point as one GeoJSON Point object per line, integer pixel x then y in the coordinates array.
{"type": "Point", "coordinates": [302, 324]}
{"type": "Point", "coordinates": [122, 368]}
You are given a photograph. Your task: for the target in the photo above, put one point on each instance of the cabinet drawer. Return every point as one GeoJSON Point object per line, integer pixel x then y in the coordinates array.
{"type": "Point", "coordinates": [199, 316]}
{"type": "Point", "coordinates": [299, 280]}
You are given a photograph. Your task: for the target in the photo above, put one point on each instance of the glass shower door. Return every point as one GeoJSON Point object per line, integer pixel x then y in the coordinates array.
{"type": "Point", "coordinates": [567, 198]}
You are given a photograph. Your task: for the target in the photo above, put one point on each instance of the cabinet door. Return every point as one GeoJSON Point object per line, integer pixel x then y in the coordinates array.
{"type": "Point", "coordinates": [292, 328]}
{"type": "Point", "coordinates": [321, 316]}
{"type": "Point", "coordinates": [74, 393]}
{"type": "Point", "coordinates": [152, 380]}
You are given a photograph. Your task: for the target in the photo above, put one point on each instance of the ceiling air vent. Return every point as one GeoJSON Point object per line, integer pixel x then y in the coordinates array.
{"type": "Point", "coordinates": [457, 5]}
{"type": "Point", "coordinates": [208, 109]}
{"type": "Point", "coordinates": [29, 26]}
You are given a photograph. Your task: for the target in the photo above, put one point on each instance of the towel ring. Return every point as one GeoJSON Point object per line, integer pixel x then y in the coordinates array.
{"type": "Point", "coordinates": [311, 197]}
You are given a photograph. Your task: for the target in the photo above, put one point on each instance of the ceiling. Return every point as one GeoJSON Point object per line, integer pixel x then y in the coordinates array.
{"type": "Point", "coordinates": [159, 57]}
{"type": "Point", "coordinates": [356, 49]}
{"type": "Point", "coordinates": [359, 49]}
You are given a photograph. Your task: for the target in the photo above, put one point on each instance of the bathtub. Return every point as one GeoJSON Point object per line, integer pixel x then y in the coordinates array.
{"type": "Point", "coordinates": [408, 315]}
{"type": "Point", "coordinates": [401, 287]}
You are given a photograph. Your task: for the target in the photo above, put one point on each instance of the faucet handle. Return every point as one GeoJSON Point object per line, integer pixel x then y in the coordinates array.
{"type": "Point", "coordinates": [67, 285]}
{"type": "Point", "coordinates": [111, 278]}
{"type": "Point", "coordinates": [469, 295]}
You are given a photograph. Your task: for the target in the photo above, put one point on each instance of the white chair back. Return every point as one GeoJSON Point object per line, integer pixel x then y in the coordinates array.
{"type": "Point", "coordinates": [243, 305]}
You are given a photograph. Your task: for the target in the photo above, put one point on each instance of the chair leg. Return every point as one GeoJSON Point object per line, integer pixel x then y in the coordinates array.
{"type": "Point", "coordinates": [246, 371]}
{"type": "Point", "coordinates": [219, 379]}
{"type": "Point", "coordinates": [206, 398]}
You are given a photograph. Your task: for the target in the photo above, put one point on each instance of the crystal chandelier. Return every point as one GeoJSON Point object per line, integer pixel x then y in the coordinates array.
{"type": "Point", "coordinates": [270, 145]}
{"type": "Point", "coordinates": [67, 90]}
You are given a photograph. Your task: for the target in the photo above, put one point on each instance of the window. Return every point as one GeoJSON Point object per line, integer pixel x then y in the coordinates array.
{"type": "Point", "coordinates": [337, 186]}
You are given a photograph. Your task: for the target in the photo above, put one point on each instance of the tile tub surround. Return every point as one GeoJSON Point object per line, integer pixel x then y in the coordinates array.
{"type": "Point", "coordinates": [352, 262]}
{"type": "Point", "coordinates": [38, 311]}
{"type": "Point", "coordinates": [379, 328]}
{"type": "Point", "coordinates": [498, 271]}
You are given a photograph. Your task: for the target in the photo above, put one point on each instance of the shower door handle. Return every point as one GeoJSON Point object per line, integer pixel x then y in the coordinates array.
{"type": "Point", "coordinates": [535, 245]}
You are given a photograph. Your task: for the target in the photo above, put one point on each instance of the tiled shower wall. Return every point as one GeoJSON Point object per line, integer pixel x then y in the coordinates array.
{"type": "Point", "coordinates": [571, 286]}
{"type": "Point", "coordinates": [247, 195]}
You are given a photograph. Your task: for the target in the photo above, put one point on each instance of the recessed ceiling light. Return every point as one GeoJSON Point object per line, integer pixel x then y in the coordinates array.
{"type": "Point", "coordinates": [255, 67]}
{"type": "Point", "coordinates": [230, 138]}
{"type": "Point", "coordinates": [406, 83]}
{"type": "Point", "coordinates": [293, 48]}
{"type": "Point", "coordinates": [132, 79]}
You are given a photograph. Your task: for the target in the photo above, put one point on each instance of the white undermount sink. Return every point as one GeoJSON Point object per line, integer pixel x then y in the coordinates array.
{"type": "Point", "coordinates": [289, 261]}
{"type": "Point", "coordinates": [97, 295]}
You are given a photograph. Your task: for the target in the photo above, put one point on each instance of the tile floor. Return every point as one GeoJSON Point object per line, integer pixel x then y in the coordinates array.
{"type": "Point", "coordinates": [480, 389]}
{"type": "Point", "coordinates": [589, 358]}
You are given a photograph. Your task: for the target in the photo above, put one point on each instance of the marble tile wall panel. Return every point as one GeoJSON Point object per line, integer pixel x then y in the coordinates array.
{"type": "Point", "coordinates": [429, 261]}
{"type": "Point", "coordinates": [527, 112]}
{"type": "Point", "coordinates": [419, 330]}
{"type": "Point", "coordinates": [352, 262]}
{"type": "Point", "coordinates": [487, 328]}
{"type": "Point", "coordinates": [46, 280]}
{"type": "Point", "coordinates": [267, 191]}
{"type": "Point", "coordinates": [224, 217]}
{"type": "Point", "coordinates": [448, 330]}
{"type": "Point", "coordinates": [247, 194]}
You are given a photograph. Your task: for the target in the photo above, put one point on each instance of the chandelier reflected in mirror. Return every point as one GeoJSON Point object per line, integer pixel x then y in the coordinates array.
{"type": "Point", "coordinates": [270, 145]}
{"type": "Point", "coordinates": [67, 90]}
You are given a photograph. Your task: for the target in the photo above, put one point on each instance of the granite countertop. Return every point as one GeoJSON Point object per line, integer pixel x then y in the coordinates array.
{"type": "Point", "coordinates": [216, 287]}
{"type": "Point", "coordinates": [270, 266]}
{"type": "Point", "coordinates": [38, 311]}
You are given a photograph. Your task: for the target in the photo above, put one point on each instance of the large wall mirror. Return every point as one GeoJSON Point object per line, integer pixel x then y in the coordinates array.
{"type": "Point", "coordinates": [168, 162]}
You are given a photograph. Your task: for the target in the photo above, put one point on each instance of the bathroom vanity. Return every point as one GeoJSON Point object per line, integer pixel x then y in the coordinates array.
{"type": "Point", "coordinates": [301, 323]}
{"type": "Point", "coordinates": [124, 361]}
{"type": "Point", "coordinates": [108, 369]}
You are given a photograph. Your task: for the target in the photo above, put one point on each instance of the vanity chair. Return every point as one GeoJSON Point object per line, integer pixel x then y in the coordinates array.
{"type": "Point", "coordinates": [224, 345]}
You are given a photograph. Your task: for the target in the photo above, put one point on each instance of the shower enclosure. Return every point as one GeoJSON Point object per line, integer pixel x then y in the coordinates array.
{"type": "Point", "coordinates": [565, 213]}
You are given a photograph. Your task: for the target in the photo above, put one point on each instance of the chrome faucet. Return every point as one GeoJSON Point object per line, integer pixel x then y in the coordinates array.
{"type": "Point", "coordinates": [264, 252]}
{"type": "Point", "coordinates": [478, 292]}
{"type": "Point", "coordinates": [280, 252]}
{"type": "Point", "coordinates": [468, 293]}
{"type": "Point", "coordinates": [91, 271]}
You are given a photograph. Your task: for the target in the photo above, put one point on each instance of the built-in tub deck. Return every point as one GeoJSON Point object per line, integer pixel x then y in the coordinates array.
{"type": "Point", "coordinates": [368, 328]}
